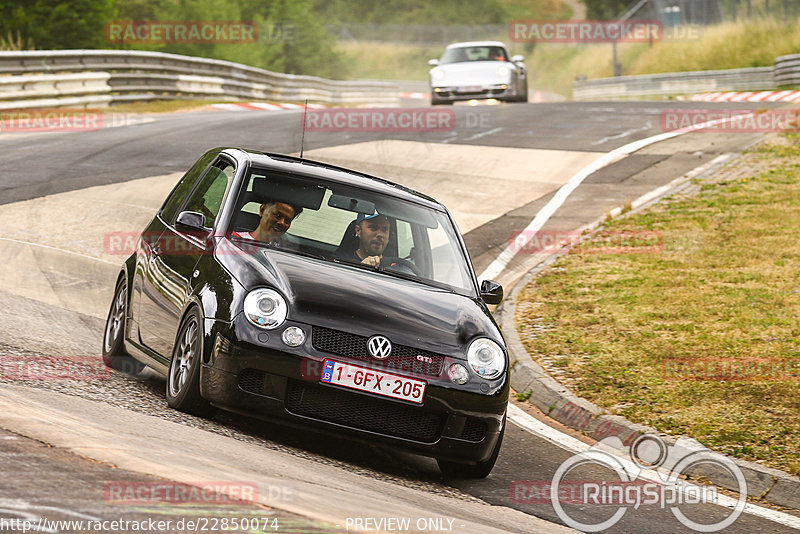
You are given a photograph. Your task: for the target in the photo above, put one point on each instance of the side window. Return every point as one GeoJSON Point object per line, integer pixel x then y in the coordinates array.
{"type": "Point", "coordinates": [444, 268]}
{"type": "Point", "coordinates": [207, 198]}
{"type": "Point", "coordinates": [173, 203]}
{"type": "Point", "coordinates": [405, 240]}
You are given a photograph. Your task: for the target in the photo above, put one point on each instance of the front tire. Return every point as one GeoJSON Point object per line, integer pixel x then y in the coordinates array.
{"type": "Point", "coordinates": [479, 470]}
{"type": "Point", "coordinates": [183, 379]}
{"type": "Point", "coordinates": [438, 102]}
{"type": "Point", "coordinates": [114, 355]}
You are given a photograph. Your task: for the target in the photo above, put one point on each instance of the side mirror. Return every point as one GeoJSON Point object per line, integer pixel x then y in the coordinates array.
{"type": "Point", "coordinates": [491, 292]}
{"type": "Point", "coordinates": [191, 220]}
{"type": "Point", "coordinates": [433, 62]}
{"type": "Point", "coordinates": [517, 58]}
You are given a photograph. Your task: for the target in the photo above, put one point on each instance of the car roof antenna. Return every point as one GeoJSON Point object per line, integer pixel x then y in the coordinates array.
{"type": "Point", "coordinates": [303, 135]}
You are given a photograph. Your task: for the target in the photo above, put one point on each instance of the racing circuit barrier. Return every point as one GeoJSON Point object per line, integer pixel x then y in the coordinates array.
{"type": "Point", "coordinates": [677, 83]}
{"type": "Point", "coordinates": [81, 78]}
{"type": "Point", "coordinates": [787, 70]}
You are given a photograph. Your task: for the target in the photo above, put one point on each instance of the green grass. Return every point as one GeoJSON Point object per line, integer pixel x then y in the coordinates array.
{"type": "Point", "coordinates": [554, 67]}
{"type": "Point", "coordinates": [157, 106]}
{"type": "Point", "coordinates": [754, 43]}
{"type": "Point", "coordinates": [397, 61]}
{"type": "Point", "coordinates": [387, 61]}
{"type": "Point", "coordinates": [536, 9]}
{"type": "Point", "coordinates": [724, 288]}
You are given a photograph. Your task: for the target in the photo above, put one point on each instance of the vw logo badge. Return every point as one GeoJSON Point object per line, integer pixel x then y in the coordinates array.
{"type": "Point", "coordinates": [379, 347]}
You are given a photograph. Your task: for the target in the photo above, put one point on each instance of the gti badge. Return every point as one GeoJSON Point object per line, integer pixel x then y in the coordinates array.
{"type": "Point", "coordinates": [379, 347]}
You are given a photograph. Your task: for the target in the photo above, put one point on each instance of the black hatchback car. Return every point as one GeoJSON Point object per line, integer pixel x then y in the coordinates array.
{"type": "Point", "coordinates": [285, 288]}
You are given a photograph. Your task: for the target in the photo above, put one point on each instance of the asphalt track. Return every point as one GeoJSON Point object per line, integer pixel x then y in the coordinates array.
{"type": "Point", "coordinates": [38, 165]}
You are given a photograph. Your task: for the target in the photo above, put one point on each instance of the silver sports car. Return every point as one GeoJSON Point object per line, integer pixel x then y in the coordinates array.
{"type": "Point", "coordinates": [480, 69]}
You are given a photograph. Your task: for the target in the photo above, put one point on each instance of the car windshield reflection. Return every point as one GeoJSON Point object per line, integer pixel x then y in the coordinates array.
{"type": "Point", "coordinates": [473, 53]}
{"type": "Point", "coordinates": [347, 225]}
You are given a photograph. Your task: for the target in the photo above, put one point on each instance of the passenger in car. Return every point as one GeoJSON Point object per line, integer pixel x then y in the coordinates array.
{"type": "Point", "coordinates": [276, 218]}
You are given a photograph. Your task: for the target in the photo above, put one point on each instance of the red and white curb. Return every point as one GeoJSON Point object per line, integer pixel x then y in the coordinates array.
{"type": "Point", "coordinates": [262, 106]}
{"type": "Point", "coordinates": [752, 96]}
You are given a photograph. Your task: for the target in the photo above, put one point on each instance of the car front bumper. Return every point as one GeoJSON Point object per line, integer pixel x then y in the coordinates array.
{"type": "Point", "coordinates": [456, 94]}
{"type": "Point", "coordinates": [451, 424]}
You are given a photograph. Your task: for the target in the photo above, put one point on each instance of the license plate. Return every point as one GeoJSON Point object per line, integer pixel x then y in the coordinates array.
{"type": "Point", "coordinates": [372, 381]}
{"type": "Point", "coordinates": [470, 89]}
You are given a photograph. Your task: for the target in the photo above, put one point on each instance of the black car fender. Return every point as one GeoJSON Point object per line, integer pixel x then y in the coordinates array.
{"type": "Point", "coordinates": [126, 271]}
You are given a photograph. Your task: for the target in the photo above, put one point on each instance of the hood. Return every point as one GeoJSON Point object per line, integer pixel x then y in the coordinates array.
{"type": "Point", "coordinates": [474, 73]}
{"type": "Point", "coordinates": [366, 302]}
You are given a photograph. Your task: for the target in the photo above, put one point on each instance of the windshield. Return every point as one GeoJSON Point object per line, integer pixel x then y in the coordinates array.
{"type": "Point", "coordinates": [474, 53]}
{"type": "Point", "coordinates": [349, 225]}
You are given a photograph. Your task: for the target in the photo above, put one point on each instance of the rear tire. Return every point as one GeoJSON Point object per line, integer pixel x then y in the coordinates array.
{"type": "Point", "coordinates": [479, 470]}
{"type": "Point", "coordinates": [114, 355]}
{"type": "Point", "coordinates": [183, 379]}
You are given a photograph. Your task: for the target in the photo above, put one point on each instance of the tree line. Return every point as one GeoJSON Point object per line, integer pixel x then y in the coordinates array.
{"type": "Point", "coordinates": [293, 36]}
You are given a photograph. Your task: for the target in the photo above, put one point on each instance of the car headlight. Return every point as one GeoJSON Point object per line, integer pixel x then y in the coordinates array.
{"type": "Point", "coordinates": [437, 74]}
{"type": "Point", "coordinates": [486, 358]}
{"type": "Point", "coordinates": [503, 71]}
{"type": "Point", "coordinates": [265, 308]}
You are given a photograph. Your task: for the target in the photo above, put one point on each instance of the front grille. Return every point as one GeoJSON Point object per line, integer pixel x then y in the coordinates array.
{"type": "Point", "coordinates": [363, 412]}
{"type": "Point", "coordinates": [403, 358]}
{"type": "Point", "coordinates": [473, 92]}
{"type": "Point", "coordinates": [474, 430]}
{"type": "Point", "coordinates": [252, 381]}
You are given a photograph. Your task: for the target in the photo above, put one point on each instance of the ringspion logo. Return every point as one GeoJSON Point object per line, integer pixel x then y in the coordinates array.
{"type": "Point", "coordinates": [651, 475]}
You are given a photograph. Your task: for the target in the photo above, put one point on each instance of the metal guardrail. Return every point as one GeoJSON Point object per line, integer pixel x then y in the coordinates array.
{"type": "Point", "coordinates": [675, 83]}
{"type": "Point", "coordinates": [90, 77]}
{"type": "Point", "coordinates": [787, 70]}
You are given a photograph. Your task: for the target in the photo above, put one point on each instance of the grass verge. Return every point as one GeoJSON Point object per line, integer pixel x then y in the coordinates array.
{"type": "Point", "coordinates": [752, 43]}
{"type": "Point", "coordinates": [698, 335]}
{"type": "Point", "coordinates": [156, 106]}
{"type": "Point", "coordinates": [553, 67]}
